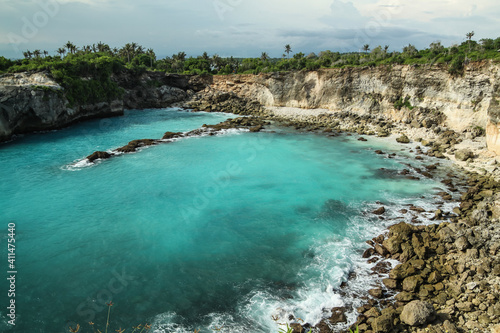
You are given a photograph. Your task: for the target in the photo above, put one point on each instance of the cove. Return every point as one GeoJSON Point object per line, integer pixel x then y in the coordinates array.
{"type": "Point", "coordinates": [227, 230]}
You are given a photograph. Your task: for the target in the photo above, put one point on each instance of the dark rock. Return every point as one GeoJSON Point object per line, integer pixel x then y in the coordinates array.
{"type": "Point", "coordinates": [338, 316]}
{"type": "Point", "coordinates": [132, 146]}
{"type": "Point", "coordinates": [171, 135]}
{"type": "Point", "coordinates": [379, 211]}
{"type": "Point", "coordinates": [98, 155]}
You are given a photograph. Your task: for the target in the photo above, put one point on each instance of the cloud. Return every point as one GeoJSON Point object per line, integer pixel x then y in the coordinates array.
{"type": "Point", "coordinates": [249, 27]}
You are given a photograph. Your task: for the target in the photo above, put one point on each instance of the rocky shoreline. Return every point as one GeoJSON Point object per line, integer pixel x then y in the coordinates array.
{"type": "Point", "coordinates": [448, 276]}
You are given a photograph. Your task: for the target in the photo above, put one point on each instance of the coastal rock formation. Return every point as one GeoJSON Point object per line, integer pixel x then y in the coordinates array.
{"type": "Point", "coordinates": [419, 96]}
{"type": "Point", "coordinates": [35, 102]}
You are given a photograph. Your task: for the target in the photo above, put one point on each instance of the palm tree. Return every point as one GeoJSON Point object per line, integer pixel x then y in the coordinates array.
{"type": "Point", "coordinates": [102, 47]}
{"type": "Point", "coordinates": [70, 47]}
{"type": "Point", "coordinates": [61, 51]}
{"type": "Point", "coordinates": [216, 62]}
{"type": "Point", "coordinates": [37, 53]}
{"type": "Point", "coordinates": [27, 54]}
{"type": "Point", "coordinates": [288, 49]}
{"type": "Point", "coordinates": [87, 49]}
{"type": "Point", "coordinates": [45, 53]}
{"type": "Point", "coordinates": [366, 48]}
{"type": "Point", "coordinates": [127, 50]}
{"type": "Point", "coordinates": [264, 56]}
{"type": "Point", "coordinates": [469, 36]}
{"type": "Point", "coordinates": [151, 55]}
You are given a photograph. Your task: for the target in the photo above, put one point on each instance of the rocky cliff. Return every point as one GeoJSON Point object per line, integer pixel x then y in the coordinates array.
{"type": "Point", "coordinates": [35, 102]}
{"type": "Point", "coordinates": [420, 96]}
{"type": "Point", "coordinates": [415, 95]}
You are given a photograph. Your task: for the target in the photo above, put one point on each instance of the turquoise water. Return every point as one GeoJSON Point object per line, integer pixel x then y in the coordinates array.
{"type": "Point", "coordinates": [204, 232]}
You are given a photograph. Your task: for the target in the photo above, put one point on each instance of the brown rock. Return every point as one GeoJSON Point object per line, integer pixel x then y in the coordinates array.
{"type": "Point", "coordinates": [411, 283]}
{"type": "Point", "coordinates": [376, 292]}
{"type": "Point", "coordinates": [373, 312]}
{"type": "Point", "coordinates": [404, 296]}
{"type": "Point", "coordinates": [379, 211]}
{"type": "Point", "coordinates": [417, 313]}
{"type": "Point", "coordinates": [434, 277]}
{"type": "Point", "coordinates": [384, 323]}
{"type": "Point", "coordinates": [393, 244]}
{"type": "Point", "coordinates": [338, 316]}
{"type": "Point", "coordinates": [390, 283]}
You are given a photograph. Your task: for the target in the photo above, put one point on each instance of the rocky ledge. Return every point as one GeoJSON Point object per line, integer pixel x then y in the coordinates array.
{"type": "Point", "coordinates": [253, 124]}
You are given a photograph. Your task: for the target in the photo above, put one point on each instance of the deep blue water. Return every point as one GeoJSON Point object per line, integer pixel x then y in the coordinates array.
{"type": "Point", "coordinates": [204, 232]}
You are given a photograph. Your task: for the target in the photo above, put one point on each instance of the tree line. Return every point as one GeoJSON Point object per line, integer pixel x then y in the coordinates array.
{"type": "Point", "coordinates": [135, 56]}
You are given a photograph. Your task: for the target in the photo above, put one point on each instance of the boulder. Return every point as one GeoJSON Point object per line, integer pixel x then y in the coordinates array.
{"type": "Point", "coordinates": [393, 244]}
{"type": "Point", "coordinates": [411, 283]}
{"type": "Point", "coordinates": [384, 323]}
{"type": "Point", "coordinates": [338, 316]}
{"type": "Point", "coordinates": [403, 139]}
{"type": "Point", "coordinates": [463, 154]}
{"type": "Point", "coordinates": [379, 211]}
{"type": "Point", "coordinates": [417, 313]}
{"type": "Point", "coordinates": [376, 292]}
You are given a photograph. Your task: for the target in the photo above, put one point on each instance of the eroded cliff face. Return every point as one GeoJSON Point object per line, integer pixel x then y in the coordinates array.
{"type": "Point", "coordinates": [462, 103]}
{"type": "Point", "coordinates": [416, 95]}
{"type": "Point", "coordinates": [35, 102]}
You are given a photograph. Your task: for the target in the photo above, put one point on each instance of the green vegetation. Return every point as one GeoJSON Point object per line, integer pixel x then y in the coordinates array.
{"type": "Point", "coordinates": [400, 103]}
{"type": "Point", "coordinates": [85, 73]}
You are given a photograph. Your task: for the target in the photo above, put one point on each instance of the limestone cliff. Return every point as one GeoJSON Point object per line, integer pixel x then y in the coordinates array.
{"type": "Point", "coordinates": [35, 102]}
{"type": "Point", "coordinates": [416, 95]}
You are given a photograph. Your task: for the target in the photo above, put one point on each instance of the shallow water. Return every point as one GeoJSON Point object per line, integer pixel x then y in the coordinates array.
{"type": "Point", "coordinates": [204, 232]}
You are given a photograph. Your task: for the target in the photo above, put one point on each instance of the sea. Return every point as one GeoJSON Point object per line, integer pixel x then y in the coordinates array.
{"type": "Point", "coordinates": [236, 232]}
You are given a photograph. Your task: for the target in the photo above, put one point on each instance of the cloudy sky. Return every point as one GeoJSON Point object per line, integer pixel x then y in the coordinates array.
{"type": "Point", "coordinates": [242, 28]}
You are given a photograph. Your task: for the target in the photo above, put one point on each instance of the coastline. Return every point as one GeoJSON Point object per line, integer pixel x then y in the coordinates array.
{"type": "Point", "coordinates": [448, 276]}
